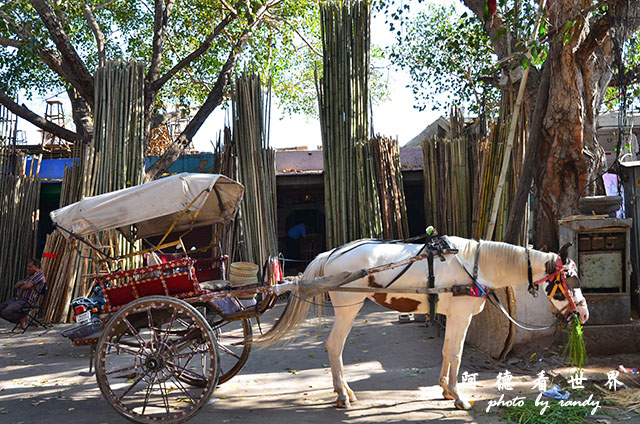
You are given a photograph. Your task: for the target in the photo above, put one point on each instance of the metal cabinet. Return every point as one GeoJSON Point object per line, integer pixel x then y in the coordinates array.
{"type": "Point", "coordinates": [601, 247]}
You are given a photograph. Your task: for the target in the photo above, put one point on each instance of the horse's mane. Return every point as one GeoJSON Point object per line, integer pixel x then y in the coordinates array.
{"type": "Point", "coordinates": [502, 262]}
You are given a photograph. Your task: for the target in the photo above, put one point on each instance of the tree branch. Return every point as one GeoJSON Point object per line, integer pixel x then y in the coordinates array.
{"type": "Point", "coordinates": [630, 77]}
{"type": "Point", "coordinates": [214, 99]}
{"type": "Point", "coordinates": [97, 33]}
{"type": "Point", "coordinates": [38, 121]}
{"type": "Point", "coordinates": [83, 80]}
{"type": "Point", "coordinates": [206, 44]}
{"type": "Point", "coordinates": [9, 42]}
{"type": "Point", "coordinates": [160, 19]}
{"type": "Point", "coordinates": [500, 44]}
{"type": "Point", "coordinates": [165, 118]}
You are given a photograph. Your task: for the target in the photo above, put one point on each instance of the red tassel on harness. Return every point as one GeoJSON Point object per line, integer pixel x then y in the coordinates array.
{"type": "Point", "coordinates": [493, 6]}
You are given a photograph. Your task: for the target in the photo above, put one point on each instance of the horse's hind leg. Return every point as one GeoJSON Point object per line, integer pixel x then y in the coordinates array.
{"type": "Point", "coordinates": [344, 317]}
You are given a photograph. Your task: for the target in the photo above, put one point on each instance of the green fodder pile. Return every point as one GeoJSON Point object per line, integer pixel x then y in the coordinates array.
{"type": "Point", "coordinates": [575, 352]}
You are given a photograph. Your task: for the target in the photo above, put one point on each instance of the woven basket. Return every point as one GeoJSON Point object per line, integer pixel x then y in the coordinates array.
{"type": "Point", "coordinates": [242, 273]}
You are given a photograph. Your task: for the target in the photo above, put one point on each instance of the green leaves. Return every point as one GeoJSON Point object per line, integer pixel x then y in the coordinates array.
{"type": "Point", "coordinates": [445, 53]}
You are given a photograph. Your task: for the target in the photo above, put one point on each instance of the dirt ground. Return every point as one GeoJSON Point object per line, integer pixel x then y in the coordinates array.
{"type": "Point", "coordinates": [392, 367]}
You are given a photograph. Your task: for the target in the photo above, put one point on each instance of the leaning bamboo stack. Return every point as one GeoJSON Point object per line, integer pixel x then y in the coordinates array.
{"type": "Point", "coordinates": [227, 235]}
{"type": "Point", "coordinates": [490, 158]}
{"type": "Point", "coordinates": [344, 120]}
{"type": "Point", "coordinates": [115, 159]}
{"type": "Point", "coordinates": [20, 194]}
{"type": "Point", "coordinates": [256, 169]}
{"type": "Point", "coordinates": [393, 209]}
{"type": "Point", "coordinates": [448, 180]}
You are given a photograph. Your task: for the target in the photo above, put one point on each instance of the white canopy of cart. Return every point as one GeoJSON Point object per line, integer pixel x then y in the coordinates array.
{"type": "Point", "coordinates": [153, 207]}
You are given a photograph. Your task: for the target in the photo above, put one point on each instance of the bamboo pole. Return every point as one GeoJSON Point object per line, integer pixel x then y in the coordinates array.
{"type": "Point", "coordinates": [512, 130]}
{"type": "Point", "coordinates": [256, 169]}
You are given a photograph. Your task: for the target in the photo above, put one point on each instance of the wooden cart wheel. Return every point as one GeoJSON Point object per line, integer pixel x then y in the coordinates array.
{"type": "Point", "coordinates": [233, 338]}
{"type": "Point", "coordinates": [234, 343]}
{"type": "Point", "coordinates": [146, 353]}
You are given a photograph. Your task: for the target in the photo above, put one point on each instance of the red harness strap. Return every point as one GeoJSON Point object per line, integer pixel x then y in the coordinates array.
{"type": "Point", "coordinates": [560, 282]}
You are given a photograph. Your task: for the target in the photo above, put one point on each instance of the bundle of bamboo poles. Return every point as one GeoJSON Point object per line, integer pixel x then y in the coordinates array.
{"type": "Point", "coordinates": [227, 235]}
{"type": "Point", "coordinates": [256, 168]}
{"type": "Point", "coordinates": [461, 174]}
{"type": "Point", "coordinates": [115, 159]}
{"type": "Point", "coordinates": [19, 198]}
{"type": "Point", "coordinates": [448, 180]}
{"type": "Point", "coordinates": [344, 120]}
{"type": "Point", "coordinates": [393, 210]}
{"type": "Point", "coordinates": [490, 156]}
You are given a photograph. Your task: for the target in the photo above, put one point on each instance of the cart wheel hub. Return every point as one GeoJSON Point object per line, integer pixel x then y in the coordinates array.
{"type": "Point", "coordinates": [154, 363]}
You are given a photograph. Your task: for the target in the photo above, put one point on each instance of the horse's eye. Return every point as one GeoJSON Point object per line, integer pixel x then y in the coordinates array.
{"type": "Point", "coordinates": [559, 296]}
{"type": "Point", "coordinates": [573, 282]}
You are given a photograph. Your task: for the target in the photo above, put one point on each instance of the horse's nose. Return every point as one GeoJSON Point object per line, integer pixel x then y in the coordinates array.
{"type": "Point", "coordinates": [584, 316]}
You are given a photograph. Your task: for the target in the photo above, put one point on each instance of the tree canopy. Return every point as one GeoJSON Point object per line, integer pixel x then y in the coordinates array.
{"type": "Point", "coordinates": [191, 49]}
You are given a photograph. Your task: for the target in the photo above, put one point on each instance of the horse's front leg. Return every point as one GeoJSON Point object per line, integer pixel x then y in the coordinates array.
{"type": "Point", "coordinates": [444, 370]}
{"type": "Point", "coordinates": [456, 332]}
{"type": "Point", "coordinates": [344, 317]}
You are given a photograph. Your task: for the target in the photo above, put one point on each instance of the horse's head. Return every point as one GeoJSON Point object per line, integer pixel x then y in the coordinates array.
{"type": "Point", "coordinates": [562, 287]}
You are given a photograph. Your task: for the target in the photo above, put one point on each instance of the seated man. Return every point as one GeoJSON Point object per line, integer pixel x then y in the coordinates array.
{"type": "Point", "coordinates": [27, 292]}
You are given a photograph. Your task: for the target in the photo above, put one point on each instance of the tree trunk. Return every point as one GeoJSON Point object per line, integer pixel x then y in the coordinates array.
{"type": "Point", "coordinates": [570, 157]}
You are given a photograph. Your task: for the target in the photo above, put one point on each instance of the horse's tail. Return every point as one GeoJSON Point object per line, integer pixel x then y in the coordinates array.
{"type": "Point", "coordinates": [296, 309]}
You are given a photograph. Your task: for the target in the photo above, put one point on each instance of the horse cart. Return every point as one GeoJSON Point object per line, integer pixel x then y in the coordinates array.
{"type": "Point", "coordinates": [170, 332]}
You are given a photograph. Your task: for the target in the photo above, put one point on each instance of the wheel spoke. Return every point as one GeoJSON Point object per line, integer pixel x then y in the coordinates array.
{"type": "Point", "coordinates": [188, 336]}
{"type": "Point", "coordinates": [190, 373]}
{"type": "Point", "coordinates": [154, 335]}
{"type": "Point", "coordinates": [130, 367]}
{"type": "Point", "coordinates": [168, 330]}
{"type": "Point", "coordinates": [190, 354]}
{"type": "Point", "coordinates": [148, 394]}
{"type": "Point", "coordinates": [135, 332]}
{"type": "Point", "coordinates": [164, 394]}
{"type": "Point", "coordinates": [228, 351]}
{"type": "Point", "coordinates": [119, 347]}
{"type": "Point", "coordinates": [140, 377]}
{"type": "Point", "coordinates": [180, 386]}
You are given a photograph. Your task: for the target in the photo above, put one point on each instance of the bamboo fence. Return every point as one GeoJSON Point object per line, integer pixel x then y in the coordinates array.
{"type": "Point", "coordinates": [19, 198]}
{"type": "Point", "coordinates": [351, 198]}
{"type": "Point", "coordinates": [256, 169]}
{"type": "Point", "coordinates": [490, 156]}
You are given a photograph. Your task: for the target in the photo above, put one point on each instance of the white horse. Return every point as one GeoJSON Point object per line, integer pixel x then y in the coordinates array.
{"type": "Point", "coordinates": [497, 265]}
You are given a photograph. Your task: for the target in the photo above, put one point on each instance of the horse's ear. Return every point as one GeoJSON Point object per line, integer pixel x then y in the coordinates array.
{"type": "Point", "coordinates": [563, 252]}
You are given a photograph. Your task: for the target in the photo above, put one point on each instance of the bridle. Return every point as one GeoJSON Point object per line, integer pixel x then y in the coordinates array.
{"type": "Point", "coordinates": [560, 288]}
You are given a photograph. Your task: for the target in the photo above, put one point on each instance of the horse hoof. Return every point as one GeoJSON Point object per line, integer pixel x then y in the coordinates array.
{"type": "Point", "coordinates": [462, 404]}
{"type": "Point", "coordinates": [343, 404]}
{"type": "Point", "coordinates": [447, 396]}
